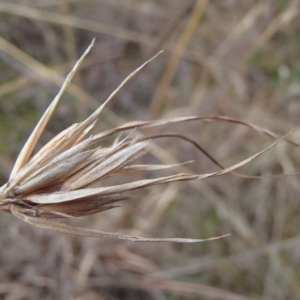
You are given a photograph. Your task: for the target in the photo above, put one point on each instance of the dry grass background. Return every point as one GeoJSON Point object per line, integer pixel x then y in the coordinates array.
{"type": "Point", "coordinates": [234, 58]}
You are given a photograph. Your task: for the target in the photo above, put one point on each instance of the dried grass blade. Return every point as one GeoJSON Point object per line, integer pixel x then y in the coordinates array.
{"type": "Point", "coordinates": [33, 138]}
{"type": "Point", "coordinates": [96, 114]}
{"type": "Point", "coordinates": [247, 160]}
{"type": "Point", "coordinates": [58, 197]}
{"type": "Point", "coordinates": [135, 168]}
{"type": "Point", "coordinates": [69, 229]}
{"type": "Point", "coordinates": [209, 118]}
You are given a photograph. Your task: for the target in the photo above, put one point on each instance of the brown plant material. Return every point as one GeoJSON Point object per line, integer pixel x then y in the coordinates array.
{"type": "Point", "coordinates": [56, 182]}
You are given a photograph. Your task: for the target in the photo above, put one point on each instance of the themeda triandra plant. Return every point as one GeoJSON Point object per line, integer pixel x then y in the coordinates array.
{"type": "Point", "coordinates": [55, 182]}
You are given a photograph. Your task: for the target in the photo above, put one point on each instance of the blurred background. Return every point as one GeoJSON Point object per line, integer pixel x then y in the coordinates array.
{"type": "Point", "coordinates": [229, 58]}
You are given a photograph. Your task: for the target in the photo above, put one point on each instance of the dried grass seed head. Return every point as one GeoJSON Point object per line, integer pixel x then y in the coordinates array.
{"type": "Point", "coordinates": [56, 181]}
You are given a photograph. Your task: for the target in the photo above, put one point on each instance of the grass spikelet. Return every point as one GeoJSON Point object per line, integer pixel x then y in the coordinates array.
{"type": "Point", "coordinates": [56, 181]}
